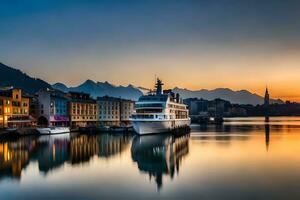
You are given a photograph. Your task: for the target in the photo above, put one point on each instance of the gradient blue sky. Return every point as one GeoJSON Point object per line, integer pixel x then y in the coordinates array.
{"type": "Point", "coordinates": [192, 44]}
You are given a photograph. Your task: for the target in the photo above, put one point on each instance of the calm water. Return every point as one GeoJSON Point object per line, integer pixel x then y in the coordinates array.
{"type": "Point", "coordinates": [244, 158]}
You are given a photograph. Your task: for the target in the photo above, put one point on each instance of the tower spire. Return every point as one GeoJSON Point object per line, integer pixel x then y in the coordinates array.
{"type": "Point", "coordinates": [267, 97]}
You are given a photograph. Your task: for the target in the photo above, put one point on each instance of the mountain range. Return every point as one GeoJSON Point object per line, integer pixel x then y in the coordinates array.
{"type": "Point", "coordinates": [236, 97]}
{"type": "Point", "coordinates": [14, 77]}
{"type": "Point", "coordinates": [131, 92]}
{"type": "Point", "coordinates": [97, 89]}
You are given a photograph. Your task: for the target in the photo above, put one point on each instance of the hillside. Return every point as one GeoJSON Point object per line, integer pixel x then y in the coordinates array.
{"type": "Point", "coordinates": [16, 78]}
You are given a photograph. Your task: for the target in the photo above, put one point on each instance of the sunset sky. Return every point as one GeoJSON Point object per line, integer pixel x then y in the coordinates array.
{"type": "Point", "coordinates": [190, 44]}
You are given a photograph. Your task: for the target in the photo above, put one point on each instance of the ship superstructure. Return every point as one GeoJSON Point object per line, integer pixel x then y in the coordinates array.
{"type": "Point", "coordinates": [159, 111]}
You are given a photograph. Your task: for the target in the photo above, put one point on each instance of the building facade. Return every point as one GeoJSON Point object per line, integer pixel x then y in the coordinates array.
{"type": "Point", "coordinates": [197, 107]}
{"type": "Point", "coordinates": [127, 109]}
{"type": "Point", "coordinates": [109, 111]}
{"type": "Point", "coordinates": [114, 111]}
{"type": "Point", "coordinates": [14, 109]}
{"type": "Point", "coordinates": [205, 108]}
{"type": "Point", "coordinates": [53, 108]}
{"type": "Point", "coordinates": [83, 110]}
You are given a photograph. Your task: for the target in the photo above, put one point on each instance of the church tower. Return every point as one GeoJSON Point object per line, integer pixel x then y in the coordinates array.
{"type": "Point", "coordinates": [267, 98]}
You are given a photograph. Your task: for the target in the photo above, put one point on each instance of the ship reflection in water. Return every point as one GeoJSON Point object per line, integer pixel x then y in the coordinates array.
{"type": "Point", "coordinates": [159, 154]}
{"type": "Point", "coordinates": [245, 158]}
{"type": "Point", "coordinates": [155, 154]}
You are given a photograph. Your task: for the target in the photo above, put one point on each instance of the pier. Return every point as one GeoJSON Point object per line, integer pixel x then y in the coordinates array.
{"type": "Point", "coordinates": [15, 133]}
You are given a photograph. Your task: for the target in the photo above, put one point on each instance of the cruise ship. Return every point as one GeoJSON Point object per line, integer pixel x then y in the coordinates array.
{"type": "Point", "coordinates": [159, 111]}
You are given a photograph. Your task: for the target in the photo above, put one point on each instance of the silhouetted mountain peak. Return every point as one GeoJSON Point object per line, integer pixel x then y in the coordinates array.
{"type": "Point", "coordinates": [89, 82]}
{"type": "Point", "coordinates": [16, 78]}
{"type": "Point", "coordinates": [105, 84]}
{"type": "Point", "coordinates": [60, 86]}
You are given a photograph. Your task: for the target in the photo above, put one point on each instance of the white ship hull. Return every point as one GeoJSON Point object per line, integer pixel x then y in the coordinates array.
{"type": "Point", "coordinates": [53, 130]}
{"type": "Point", "coordinates": [143, 127]}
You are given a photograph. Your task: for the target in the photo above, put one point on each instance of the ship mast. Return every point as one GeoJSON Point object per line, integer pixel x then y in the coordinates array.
{"type": "Point", "coordinates": [158, 86]}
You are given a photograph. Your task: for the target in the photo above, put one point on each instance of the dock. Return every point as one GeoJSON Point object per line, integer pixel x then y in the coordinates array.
{"type": "Point", "coordinates": [105, 129]}
{"type": "Point", "coordinates": [20, 132]}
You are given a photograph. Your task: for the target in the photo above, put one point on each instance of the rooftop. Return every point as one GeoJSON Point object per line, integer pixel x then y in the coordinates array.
{"type": "Point", "coordinates": [7, 92]}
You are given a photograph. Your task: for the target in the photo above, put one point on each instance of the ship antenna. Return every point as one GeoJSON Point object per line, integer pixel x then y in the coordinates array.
{"type": "Point", "coordinates": [155, 79]}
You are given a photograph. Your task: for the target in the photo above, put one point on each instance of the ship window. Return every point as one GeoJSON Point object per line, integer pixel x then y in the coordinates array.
{"type": "Point", "coordinates": [153, 105]}
{"type": "Point", "coordinates": [149, 111]}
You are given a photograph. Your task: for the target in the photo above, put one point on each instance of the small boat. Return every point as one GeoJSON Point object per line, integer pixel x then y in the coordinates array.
{"type": "Point", "coordinates": [11, 129]}
{"type": "Point", "coordinates": [53, 130]}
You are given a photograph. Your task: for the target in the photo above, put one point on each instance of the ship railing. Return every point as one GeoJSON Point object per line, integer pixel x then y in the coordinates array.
{"type": "Point", "coordinates": [142, 116]}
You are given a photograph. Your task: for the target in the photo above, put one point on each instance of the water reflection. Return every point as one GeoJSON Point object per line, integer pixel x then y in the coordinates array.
{"type": "Point", "coordinates": [238, 160]}
{"type": "Point", "coordinates": [52, 152]}
{"type": "Point", "coordinates": [228, 132]}
{"type": "Point", "coordinates": [156, 155]}
{"type": "Point", "coordinates": [267, 135]}
{"type": "Point", "coordinates": [84, 147]}
{"type": "Point", "coordinates": [14, 156]}
{"type": "Point", "coordinates": [159, 154]}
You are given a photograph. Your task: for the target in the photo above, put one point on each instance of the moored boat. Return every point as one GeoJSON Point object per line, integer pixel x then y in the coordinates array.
{"type": "Point", "coordinates": [160, 112]}
{"type": "Point", "coordinates": [53, 130]}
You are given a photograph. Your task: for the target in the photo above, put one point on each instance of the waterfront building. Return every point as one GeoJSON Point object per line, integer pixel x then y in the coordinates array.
{"type": "Point", "coordinates": [219, 108]}
{"type": "Point", "coordinates": [114, 111]}
{"type": "Point", "coordinates": [237, 110]}
{"type": "Point", "coordinates": [53, 108]}
{"type": "Point", "coordinates": [83, 110]}
{"type": "Point", "coordinates": [197, 107]}
{"type": "Point", "coordinates": [14, 109]}
{"type": "Point", "coordinates": [213, 108]}
{"type": "Point", "coordinates": [126, 110]}
{"type": "Point", "coordinates": [34, 109]}
{"type": "Point", "coordinates": [109, 111]}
